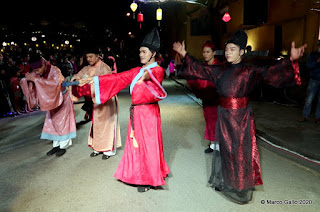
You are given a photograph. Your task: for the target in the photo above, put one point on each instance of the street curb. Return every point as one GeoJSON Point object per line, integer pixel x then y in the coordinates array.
{"type": "Point", "coordinates": [275, 145]}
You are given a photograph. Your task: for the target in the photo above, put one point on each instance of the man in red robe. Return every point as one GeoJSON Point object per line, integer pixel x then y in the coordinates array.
{"type": "Point", "coordinates": [43, 86]}
{"type": "Point", "coordinates": [236, 164]}
{"type": "Point", "coordinates": [142, 163]}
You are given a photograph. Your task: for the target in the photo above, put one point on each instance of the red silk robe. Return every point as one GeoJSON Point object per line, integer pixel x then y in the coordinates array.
{"type": "Point", "coordinates": [60, 122]}
{"type": "Point", "coordinates": [206, 91]}
{"type": "Point", "coordinates": [236, 168]}
{"type": "Point", "coordinates": [144, 165]}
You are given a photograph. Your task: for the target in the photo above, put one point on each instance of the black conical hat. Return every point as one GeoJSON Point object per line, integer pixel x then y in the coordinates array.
{"type": "Point", "coordinates": [152, 40]}
{"type": "Point", "coordinates": [239, 38]}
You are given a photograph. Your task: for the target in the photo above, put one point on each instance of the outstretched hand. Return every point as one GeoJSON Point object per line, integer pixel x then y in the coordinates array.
{"type": "Point", "coordinates": [296, 53]}
{"type": "Point", "coordinates": [180, 48]}
{"type": "Point", "coordinates": [88, 80]}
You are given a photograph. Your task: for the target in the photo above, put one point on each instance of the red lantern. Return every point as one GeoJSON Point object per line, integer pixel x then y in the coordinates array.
{"type": "Point", "coordinates": [140, 18]}
{"type": "Point", "coordinates": [226, 17]}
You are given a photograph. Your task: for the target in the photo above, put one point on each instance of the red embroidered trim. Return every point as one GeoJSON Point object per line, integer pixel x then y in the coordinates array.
{"type": "Point", "coordinates": [296, 70]}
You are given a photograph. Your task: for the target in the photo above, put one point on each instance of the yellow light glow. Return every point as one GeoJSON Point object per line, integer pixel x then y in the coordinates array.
{"type": "Point", "coordinates": [159, 14]}
{"type": "Point", "coordinates": [134, 6]}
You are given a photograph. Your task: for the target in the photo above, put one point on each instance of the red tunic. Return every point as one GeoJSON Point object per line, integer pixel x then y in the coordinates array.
{"type": "Point", "coordinates": [144, 165]}
{"type": "Point", "coordinates": [206, 91]}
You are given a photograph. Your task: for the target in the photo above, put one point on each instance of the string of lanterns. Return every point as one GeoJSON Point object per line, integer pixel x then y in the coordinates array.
{"type": "Point", "coordinates": [134, 7]}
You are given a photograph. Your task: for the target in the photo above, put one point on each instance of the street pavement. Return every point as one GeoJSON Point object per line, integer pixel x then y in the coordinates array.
{"type": "Point", "coordinates": [32, 181]}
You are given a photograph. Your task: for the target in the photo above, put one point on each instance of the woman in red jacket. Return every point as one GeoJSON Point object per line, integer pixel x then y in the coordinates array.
{"type": "Point", "coordinates": [206, 91]}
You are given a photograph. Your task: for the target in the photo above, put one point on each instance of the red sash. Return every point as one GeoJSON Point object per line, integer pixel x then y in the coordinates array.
{"type": "Point", "coordinates": [233, 103]}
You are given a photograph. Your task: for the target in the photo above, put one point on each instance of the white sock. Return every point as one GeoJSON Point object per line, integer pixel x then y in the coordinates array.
{"type": "Point", "coordinates": [110, 153]}
{"type": "Point", "coordinates": [212, 146]}
{"type": "Point", "coordinates": [216, 146]}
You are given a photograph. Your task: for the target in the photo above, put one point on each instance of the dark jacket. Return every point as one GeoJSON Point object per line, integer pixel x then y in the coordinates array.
{"type": "Point", "coordinates": [313, 65]}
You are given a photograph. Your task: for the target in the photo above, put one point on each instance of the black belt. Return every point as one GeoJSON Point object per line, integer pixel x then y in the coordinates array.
{"type": "Point", "coordinates": [132, 110]}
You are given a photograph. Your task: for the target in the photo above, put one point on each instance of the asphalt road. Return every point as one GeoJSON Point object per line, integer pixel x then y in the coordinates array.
{"type": "Point", "coordinates": [32, 181]}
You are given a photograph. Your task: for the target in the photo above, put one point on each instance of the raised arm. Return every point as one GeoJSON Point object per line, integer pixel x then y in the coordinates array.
{"type": "Point", "coordinates": [193, 69]}
{"type": "Point", "coordinates": [285, 73]}
{"type": "Point", "coordinates": [106, 86]}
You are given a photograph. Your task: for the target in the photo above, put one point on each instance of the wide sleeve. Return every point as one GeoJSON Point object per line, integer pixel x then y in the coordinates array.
{"type": "Point", "coordinates": [49, 90]}
{"type": "Point", "coordinates": [154, 84]}
{"type": "Point", "coordinates": [106, 86]}
{"type": "Point", "coordinates": [74, 91]}
{"type": "Point", "coordinates": [192, 69]}
{"type": "Point", "coordinates": [29, 91]}
{"type": "Point", "coordinates": [283, 74]}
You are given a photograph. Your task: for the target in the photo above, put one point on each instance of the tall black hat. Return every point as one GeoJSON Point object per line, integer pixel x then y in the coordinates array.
{"type": "Point", "coordinates": [92, 49]}
{"type": "Point", "coordinates": [239, 38]}
{"type": "Point", "coordinates": [152, 40]}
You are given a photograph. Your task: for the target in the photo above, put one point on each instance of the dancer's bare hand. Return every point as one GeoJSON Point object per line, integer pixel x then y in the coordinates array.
{"type": "Point", "coordinates": [84, 81]}
{"type": "Point", "coordinates": [30, 77]}
{"type": "Point", "coordinates": [296, 53]}
{"type": "Point", "coordinates": [180, 48]}
{"type": "Point", "coordinates": [144, 77]}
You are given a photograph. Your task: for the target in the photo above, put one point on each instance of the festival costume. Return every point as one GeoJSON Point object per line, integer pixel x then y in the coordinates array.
{"type": "Point", "coordinates": [60, 122]}
{"type": "Point", "coordinates": [104, 132]}
{"type": "Point", "coordinates": [143, 161]}
{"type": "Point", "coordinates": [206, 91]}
{"type": "Point", "coordinates": [236, 167]}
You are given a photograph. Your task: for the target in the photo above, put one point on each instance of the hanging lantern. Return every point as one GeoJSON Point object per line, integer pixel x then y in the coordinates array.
{"type": "Point", "coordinates": [133, 7]}
{"type": "Point", "coordinates": [159, 15]}
{"type": "Point", "coordinates": [226, 17]}
{"type": "Point", "coordinates": [140, 18]}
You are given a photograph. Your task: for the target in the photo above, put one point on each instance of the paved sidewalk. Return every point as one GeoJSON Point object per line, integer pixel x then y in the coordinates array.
{"type": "Point", "coordinates": [277, 125]}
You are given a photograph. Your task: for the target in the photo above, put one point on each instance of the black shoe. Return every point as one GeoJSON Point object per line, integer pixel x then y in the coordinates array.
{"type": "Point", "coordinates": [143, 188]}
{"type": "Point", "coordinates": [94, 154]}
{"type": "Point", "coordinates": [217, 189]}
{"type": "Point", "coordinates": [105, 157]}
{"type": "Point", "coordinates": [209, 150]}
{"type": "Point", "coordinates": [53, 150]}
{"type": "Point", "coordinates": [60, 152]}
